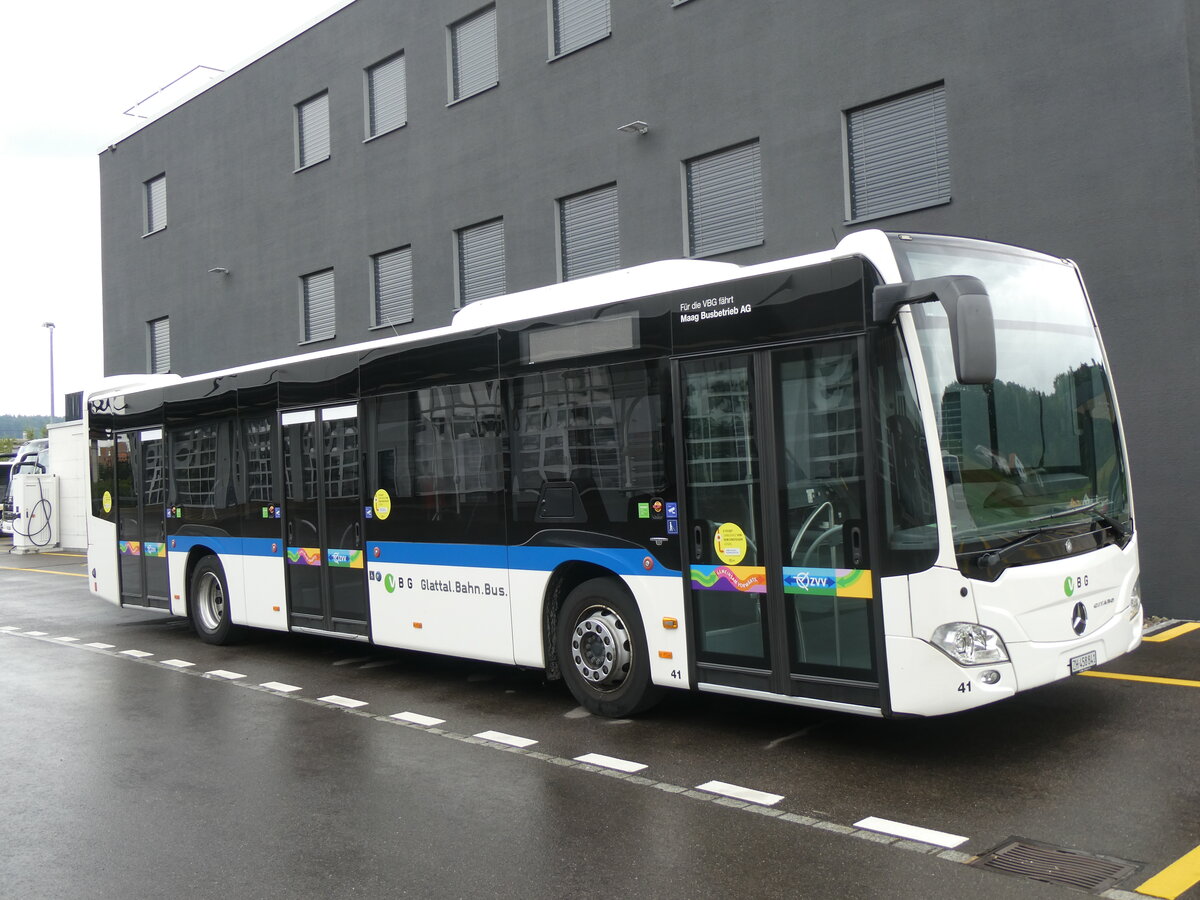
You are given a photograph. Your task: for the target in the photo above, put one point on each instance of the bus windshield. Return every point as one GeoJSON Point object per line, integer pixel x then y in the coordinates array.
{"type": "Point", "coordinates": [1039, 449]}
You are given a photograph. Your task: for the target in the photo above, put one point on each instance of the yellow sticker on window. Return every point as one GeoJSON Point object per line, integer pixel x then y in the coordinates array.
{"type": "Point", "coordinates": [382, 504]}
{"type": "Point", "coordinates": [106, 502]}
{"type": "Point", "coordinates": [730, 543]}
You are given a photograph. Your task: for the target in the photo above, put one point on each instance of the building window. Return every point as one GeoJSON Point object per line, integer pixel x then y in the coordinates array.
{"type": "Point", "coordinates": [317, 314]}
{"type": "Point", "coordinates": [391, 285]}
{"type": "Point", "coordinates": [480, 261]}
{"type": "Point", "coordinates": [156, 204]}
{"type": "Point", "coordinates": [724, 200]}
{"type": "Point", "coordinates": [588, 238]}
{"type": "Point", "coordinates": [387, 96]}
{"type": "Point", "coordinates": [159, 332]}
{"type": "Point", "coordinates": [897, 154]}
{"type": "Point", "coordinates": [474, 57]}
{"type": "Point", "coordinates": [312, 130]}
{"type": "Point", "coordinates": [577, 23]}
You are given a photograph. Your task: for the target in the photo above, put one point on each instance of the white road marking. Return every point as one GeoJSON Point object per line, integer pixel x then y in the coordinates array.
{"type": "Point", "coordinates": [67, 640]}
{"type": "Point", "coordinates": [352, 660]}
{"type": "Point", "coordinates": [223, 673]}
{"type": "Point", "coordinates": [136, 654]}
{"type": "Point", "coordinates": [280, 686]}
{"type": "Point", "coordinates": [501, 738]}
{"type": "Point", "coordinates": [577, 713]}
{"type": "Point", "coordinates": [912, 832]}
{"type": "Point", "coordinates": [347, 702]}
{"type": "Point", "coordinates": [610, 762]}
{"type": "Point", "coordinates": [738, 792]}
{"type": "Point", "coordinates": [380, 664]}
{"type": "Point", "coordinates": [177, 663]}
{"type": "Point", "coordinates": [10, 628]}
{"type": "Point", "coordinates": [99, 645]}
{"type": "Point", "coordinates": [417, 718]}
{"type": "Point", "coordinates": [36, 633]}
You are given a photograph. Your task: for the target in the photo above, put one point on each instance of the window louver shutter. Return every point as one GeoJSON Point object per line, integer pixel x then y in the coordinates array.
{"type": "Point", "coordinates": [160, 345]}
{"type": "Point", "coordinates": [481, 261]}
{"type": "Point", "coordinates": [156, 203]}
{"type": "Point", "coordinates": [393, 287]}
{"type": "Point", "coordinates": [475, 59]}
{"type": "Point", "coordinates": [899, 155]}
{"type": "Point", "coordinates": [319, 309]}
{"type": "Point", "coordinates": [590, 240]}
{"type": "Point", "coordinates": [725, 202]}
{"type": "Point", "coordinates": [312, 122]}
{"type": "Point", "coordinates": [387, 87]}
{"type": "Point", "coordinates": [578, 23]}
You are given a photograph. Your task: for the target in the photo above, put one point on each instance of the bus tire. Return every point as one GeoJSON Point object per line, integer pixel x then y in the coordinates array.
{"type": "Point", "coordinates": [602, 650]}
{"type": "Point", "coordinates": [208, 603]}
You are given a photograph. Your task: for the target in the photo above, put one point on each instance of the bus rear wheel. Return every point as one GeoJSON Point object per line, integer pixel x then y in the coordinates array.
{"type": "Point", "coordinates": [602, 650]}
{"type": "Point", "coordinates": [208, 605]}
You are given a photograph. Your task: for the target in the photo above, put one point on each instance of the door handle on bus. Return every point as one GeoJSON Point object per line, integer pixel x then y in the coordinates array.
{"type": "Point", "coordinates": [856, 546]}
{"type": "Point", "coordinates": [697, 542]}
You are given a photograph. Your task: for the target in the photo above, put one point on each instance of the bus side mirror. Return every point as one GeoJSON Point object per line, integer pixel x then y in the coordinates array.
{"type": "Point", "coordinates": [969, 309]}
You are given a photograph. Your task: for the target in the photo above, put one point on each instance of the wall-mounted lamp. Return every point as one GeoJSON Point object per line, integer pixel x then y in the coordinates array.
{"type": "Point", "coordinates": [218, 270]}
{"type": "Point", "coordinates": [636, 127]}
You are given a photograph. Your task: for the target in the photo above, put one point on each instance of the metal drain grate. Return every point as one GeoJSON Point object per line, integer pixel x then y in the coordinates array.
{"type": "Point", "coordinates": [1056, 865]}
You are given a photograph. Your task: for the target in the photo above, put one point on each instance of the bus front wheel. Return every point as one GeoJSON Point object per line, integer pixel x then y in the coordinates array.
{"type": "Point", "coordinates": [209, 603]}
{"type": "Point", "coordinates": [602, 650]}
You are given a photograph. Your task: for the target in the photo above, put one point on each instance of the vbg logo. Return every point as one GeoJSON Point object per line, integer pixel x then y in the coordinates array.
{"type": "Point", "coordinates": [1071, 585]}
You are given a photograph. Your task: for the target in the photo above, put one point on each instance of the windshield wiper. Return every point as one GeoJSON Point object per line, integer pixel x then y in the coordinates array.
{"type": "Point", "coordinates": [1117, 528]}
{"type": "Point", "coordinates": [1069, 511]}
{"type": "Point", "coordinates": [993, 556]}
{"type": "Point", "coordinates": [1099, 515]}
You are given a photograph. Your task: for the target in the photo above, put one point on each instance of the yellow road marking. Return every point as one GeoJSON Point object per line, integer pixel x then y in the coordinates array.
{"type": "Point", "coordinates": [1150, 678]}
{"type": "Point", "coordinates": [1175, 878]}
{"type": "Point", "coordinates": [45, 571]}
{"type": "Point", "coordinates": [84, 556]}
{"type": "Point", "coordinates": [1172, 632]}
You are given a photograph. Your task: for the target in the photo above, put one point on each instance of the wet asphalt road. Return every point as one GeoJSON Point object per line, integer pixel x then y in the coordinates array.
{"type": "Point", "coordinates": [135, 776]}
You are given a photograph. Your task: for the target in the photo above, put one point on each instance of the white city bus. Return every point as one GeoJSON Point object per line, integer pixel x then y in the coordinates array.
{"type": "Point", "coordinates": [887, 479]}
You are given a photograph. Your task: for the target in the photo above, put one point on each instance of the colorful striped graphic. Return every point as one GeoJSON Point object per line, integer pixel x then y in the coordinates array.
{"type": "Point", "coordinates": [827, 582]}
{"type": "Point", "coordinates": [744, 579]}
{"type": "Point", "coordinates": [345, 559]}
{"type": "Point", "coordinates": [130, 548]}
{"type": "Point", "coordinates": [304, 556]}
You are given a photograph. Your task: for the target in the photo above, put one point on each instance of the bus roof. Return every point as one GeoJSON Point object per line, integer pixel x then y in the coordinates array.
{"type": "Point", "coordinates": [632, 283]}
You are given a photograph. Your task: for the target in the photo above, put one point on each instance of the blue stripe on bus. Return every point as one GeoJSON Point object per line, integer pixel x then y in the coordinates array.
{"type": "Point", "coordinates": [622, 561]}
{"type": "Point", "coordinates": [227, 546]}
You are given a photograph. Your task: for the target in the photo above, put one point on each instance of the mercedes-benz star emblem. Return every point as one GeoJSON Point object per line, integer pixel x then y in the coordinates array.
{"type": "Point", "coordinates": [1069, 546]}
{"type": "Point", "coordinates": [1079, 618]}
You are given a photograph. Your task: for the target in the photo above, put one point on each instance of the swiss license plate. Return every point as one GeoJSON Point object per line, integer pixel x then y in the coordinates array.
{"type": "Point", "coordinates": [1083, 662]}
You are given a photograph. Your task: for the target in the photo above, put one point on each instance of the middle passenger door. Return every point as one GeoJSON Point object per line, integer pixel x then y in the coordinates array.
{"type": "Point", "coordinates": [322, 515]}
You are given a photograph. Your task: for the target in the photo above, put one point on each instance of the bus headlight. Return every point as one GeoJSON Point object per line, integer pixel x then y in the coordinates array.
{"type": "Point", "coordinates": [969, 644]}
{"type": "Point", "coordinates": [1135, 599]}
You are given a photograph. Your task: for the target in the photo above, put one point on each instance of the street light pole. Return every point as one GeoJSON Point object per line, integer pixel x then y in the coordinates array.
{"type": "Point", "coordinates": [50, 325]}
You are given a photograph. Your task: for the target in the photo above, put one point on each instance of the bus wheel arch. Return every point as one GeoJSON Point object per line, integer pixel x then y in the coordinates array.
{"type": "Point", "coordinates": [601, 648]}
{"type": "Point", "coordinates": [208, 598]}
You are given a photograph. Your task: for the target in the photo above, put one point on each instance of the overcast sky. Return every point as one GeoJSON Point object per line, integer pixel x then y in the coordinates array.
{"type": "Point", "coordinates": [69, 70]}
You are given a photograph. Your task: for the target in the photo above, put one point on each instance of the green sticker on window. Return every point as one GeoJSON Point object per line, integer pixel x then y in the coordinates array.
{"type": "Point", "coordinates": [643, 510]}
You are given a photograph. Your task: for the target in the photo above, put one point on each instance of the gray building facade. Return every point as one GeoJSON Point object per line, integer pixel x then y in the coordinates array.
{"type": "Point", "coordinates": [399, 159]}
